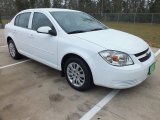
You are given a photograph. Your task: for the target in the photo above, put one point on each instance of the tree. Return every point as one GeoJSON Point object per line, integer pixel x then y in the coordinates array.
{"type": "Point", "coordinates": [57, 3]}
{"type": "Point", "coordinates": [141, 8]}
{"type": "Point", "coordinates": [22, 4]}
{"type": "Point", "coordinates": [46, 3]}
{"type": "Point", "coordinates": [155, 7]}
{"type": "Point", "coordinates": [107, 6]}
{"type": "Point", "coordinates": [73, 4]}
{"type": "Point", "coordinates": [7, 7]}
{"type": "Point", "coordinates": [85, 5]}
{"type": "Point", "coordinates": [116, 5]}
{"type": "Point", "coordinates": [32, 3]}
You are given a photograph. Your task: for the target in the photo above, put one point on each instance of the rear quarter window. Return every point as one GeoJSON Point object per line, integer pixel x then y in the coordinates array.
{"type": "Point", "coordinates": [16, 21]}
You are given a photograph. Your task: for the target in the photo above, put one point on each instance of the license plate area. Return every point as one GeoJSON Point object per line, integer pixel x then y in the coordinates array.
{"type": "Point", "coordinates": [152, 68]}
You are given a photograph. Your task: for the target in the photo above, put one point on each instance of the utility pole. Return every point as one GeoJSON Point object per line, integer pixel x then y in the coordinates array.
{"type": "Point", "coordinates": [138, 4]}
{"type": "Point", "coordinates": [0, 19]}
{"type": "Point", "coordinates": [101, 7]}
{"type": "Point", "coordinates": [1, 23]}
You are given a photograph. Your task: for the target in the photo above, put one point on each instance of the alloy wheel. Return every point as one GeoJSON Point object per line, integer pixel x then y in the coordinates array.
{"type": "Point", "coordinates": [75, 74]}
{"type": "Point", "coordinates": [12, 49]}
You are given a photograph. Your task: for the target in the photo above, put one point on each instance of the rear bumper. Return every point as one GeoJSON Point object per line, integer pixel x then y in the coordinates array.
{"type": "Point", "coordinates": [121, 77]}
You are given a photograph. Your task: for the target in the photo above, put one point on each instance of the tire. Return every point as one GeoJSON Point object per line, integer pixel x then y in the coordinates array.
{"type": "Point", "coordinates": [13, 50]}
{"type": "Point", "coordinates": [80, 79]}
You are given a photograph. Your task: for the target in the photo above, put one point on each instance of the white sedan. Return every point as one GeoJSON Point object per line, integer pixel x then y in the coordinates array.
{"type": "Point", "coordinates": [85, 51]}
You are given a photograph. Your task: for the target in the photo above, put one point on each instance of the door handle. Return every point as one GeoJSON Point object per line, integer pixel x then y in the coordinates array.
{"type": "Point", "coordinates": [31, 36]}
{"type": "Point", "coordinates": [14, 31]}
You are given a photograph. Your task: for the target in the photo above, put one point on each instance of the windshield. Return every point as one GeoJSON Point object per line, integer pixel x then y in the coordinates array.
{"type": "Point", "coordinates": [77, 22]}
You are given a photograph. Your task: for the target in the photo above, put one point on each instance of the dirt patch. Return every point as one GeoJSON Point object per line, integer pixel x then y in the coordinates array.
{"type": "Point", "coordinates": [84, 107]}
{"type": "Point", "coordinates": [73, 116]}
{"type": "Point", "coordinates": [74, 97]}
{"type": "Point", "coordinates": [39, 86]}
{"type": "Point", "coordinates": [7, 107]}
{"type": "Point", "coordinates": [56, 97]}
{"type": "Point", "coordinates": [63, 88]}
{"type": "Point", "coordinates": [58, 80]}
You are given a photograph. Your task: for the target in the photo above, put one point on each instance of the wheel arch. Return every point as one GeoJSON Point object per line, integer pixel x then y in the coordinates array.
{"type": "Point", "coordinates": [8, 39]}
{"type": "Point", "coordinates": [69, 55]}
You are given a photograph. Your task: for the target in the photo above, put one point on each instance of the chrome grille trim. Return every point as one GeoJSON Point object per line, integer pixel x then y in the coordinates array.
{"type": "Point", "coordinates": [141, 53]}
{"type": "Point", "coordinates": [144, 55]}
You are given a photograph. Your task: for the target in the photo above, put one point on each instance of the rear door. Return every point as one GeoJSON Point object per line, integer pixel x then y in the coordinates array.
{"type": "Point", "coordinates": [21, 31]}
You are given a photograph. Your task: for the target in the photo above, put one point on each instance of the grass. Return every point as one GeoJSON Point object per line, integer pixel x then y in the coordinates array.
{"type": "Point", "coordinates": [149, 32]}
{"type": "Point", "coordinates": [5, 21]}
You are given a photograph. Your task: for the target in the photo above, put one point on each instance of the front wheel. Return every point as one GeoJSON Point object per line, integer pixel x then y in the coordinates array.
{"type": "Point", "coordinates": [78, 74]}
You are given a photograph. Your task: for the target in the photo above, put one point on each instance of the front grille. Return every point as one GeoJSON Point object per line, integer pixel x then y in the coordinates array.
{"type": "Point", "coordinates": [144, 55]}
{"type": "Point", "coordinates": [141, 53]}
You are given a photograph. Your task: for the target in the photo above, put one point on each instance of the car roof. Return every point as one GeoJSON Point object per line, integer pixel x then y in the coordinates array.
{"type": "Point", "coordinates": [49, 10]}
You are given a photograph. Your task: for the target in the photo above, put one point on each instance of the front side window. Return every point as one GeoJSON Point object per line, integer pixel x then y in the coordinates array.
{"type": "Point", "coordinates": [22, 20]}
{"type": "Point", "coordinates": [40, 20]}
{"type": "Point", "coordinates": [76, 22]}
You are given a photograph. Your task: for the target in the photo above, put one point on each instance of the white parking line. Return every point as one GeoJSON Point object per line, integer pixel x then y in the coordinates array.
{"type": "Point", "coordinates": [4, 46]}
{"type": "Point", "coordinates": [92, 112]}
{"type": "Point", "coordinates": [100, 105]}
{"type": "Point", "coordinates": [14, 64]}
{"type": "Point", "coordinates": [157, 53]}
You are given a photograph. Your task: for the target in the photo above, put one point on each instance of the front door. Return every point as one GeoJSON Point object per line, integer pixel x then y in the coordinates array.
{"type": "Point", "coordinates": [43, 47]}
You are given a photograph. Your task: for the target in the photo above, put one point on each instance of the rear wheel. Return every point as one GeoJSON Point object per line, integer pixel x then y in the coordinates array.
{"type": "Point", "coordinates": [13, 50]}
{"type": "Point", "coordinates": [78, 74]}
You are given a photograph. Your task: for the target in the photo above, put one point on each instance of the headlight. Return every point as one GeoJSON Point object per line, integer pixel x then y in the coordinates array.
{"type": "Point", "coordinates": [116, 58]}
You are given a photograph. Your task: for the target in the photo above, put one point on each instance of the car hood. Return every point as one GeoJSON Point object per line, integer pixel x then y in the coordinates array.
{"type": "Point", "coordinates": [115, 40]}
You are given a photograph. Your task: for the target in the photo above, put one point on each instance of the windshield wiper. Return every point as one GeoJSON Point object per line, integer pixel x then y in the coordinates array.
{"type": "Point", "coordinates": [76, 31]}
{"type": "Point", "coordinates": [81, 31]}
{"type": "Point", "coordinates": [96, 29]}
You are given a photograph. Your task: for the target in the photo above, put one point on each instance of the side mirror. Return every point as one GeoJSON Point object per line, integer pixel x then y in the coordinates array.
{"type": "Point", "coordinates": [47, 30]}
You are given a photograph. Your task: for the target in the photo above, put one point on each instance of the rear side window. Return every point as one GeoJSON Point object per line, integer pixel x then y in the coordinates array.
{"type": "Point", "coordinates": [40, 20]}
{"type": "Point", "coordinates": [22, 20]}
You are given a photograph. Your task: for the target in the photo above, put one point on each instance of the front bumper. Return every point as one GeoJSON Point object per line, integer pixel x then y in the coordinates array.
{"type": "Point", "coordinates": [120, 77]}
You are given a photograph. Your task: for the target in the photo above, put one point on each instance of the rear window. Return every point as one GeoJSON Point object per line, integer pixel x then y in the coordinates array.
{"type": "Point", "coordinates": [22, 20]}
